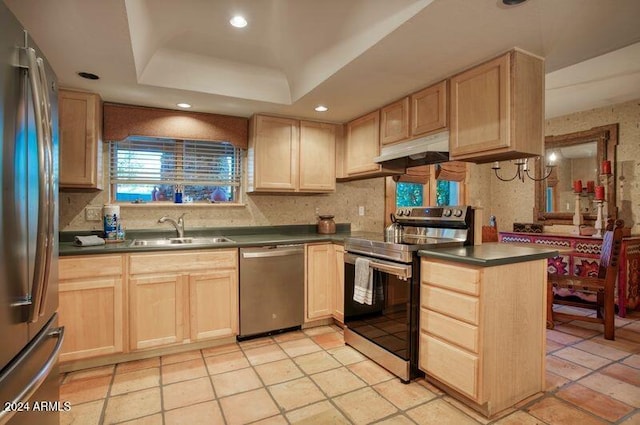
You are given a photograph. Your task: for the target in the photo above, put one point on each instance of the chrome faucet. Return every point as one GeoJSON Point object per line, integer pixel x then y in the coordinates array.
{"type": "Point", "coordinates": [179, 225]}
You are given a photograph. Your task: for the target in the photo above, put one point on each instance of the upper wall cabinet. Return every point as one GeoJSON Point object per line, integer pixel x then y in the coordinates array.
{"type": "Point", "coordinates": [394, 122]}
{"type": "Point", "coordinates": [429, 110]}
{"type": "Point", "coordinates": [80, 137]}
{"type": "Point", "coordinates": [497, 109]}
{"type": "Point", "coordinates": [287, 155]}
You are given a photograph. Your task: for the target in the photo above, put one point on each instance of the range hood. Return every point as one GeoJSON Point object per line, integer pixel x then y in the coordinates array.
{"type": "Point", "coordinates": [431, 149]}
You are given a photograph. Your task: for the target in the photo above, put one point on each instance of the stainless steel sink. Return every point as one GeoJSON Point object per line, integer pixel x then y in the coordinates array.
{"type": "Point", "coordinates": [188, 241]}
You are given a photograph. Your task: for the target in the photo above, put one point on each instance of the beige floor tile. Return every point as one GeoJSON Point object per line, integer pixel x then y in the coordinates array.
{"type": "Point", "coordinates": [136, 380]}
{"type": "Point", "coordinates": [429, 386]}
{"type": "Point", "coordinates": [319, 330]}
{"type": "Point", "coordinates": [235, 382]}
{"type": "Point", "coordinates": [329, 340]}
{"type": "Point", "coordinates": [594, 402]}
{"type": "Point", "coordinates": [248, 407]}
{"type": "Point", "coordinates": [553, 346]}
{"type": "Point", "coordinates": [86, 414]}
{"type": "Point", "coordinates": [519, 418]}
{"type": "Point", "coordinates": [370, 372]}
{"type": "Point", "coordinates": [187, 393]}
{"type": "Point", "coordinates": [81, 391]}
{"type": "Point", "coordinates": [612, 387]}
{"type": "Point", "coordinates": [316, 362]}
{"type": "Point", "coordinates": [346, 355]}
{"type": "Point", "coordinates": [226, 362]}
{"type": "Point", "coordinates": [207, 413]}
{"type": "Point", "coordinates": [628, 334]}
{"type": "Point", "coordinates": [572, 329]}
{"type": "Point", "coordinates": [557, 412]}
{"type": "Point", "coordinates": [633, 420]}
{"type": "Point", "coordinates": [620, 343]}
{"type": "Point", "coordinates": [396, 420]}
{"type": "Point", "coordinates": [337, 381]}
{"type": "Point", "coordinates": [279, 371]}
{"type": "Point", "coordinates": [289, 336]}
{"type": "Point", "coordinates": [623, 372]}
{"type": "Point", "coordinates": [633, 361]}
{"type": "Point", "coordinates": [138, 365]}
{"type": "Point", "coordinates": [147, 420]}
{"type": "Point", "coordinates": [265, 354]}
{"type": "Point", "coordinates": [439, 412]}
{"type": "Point", "coordinates": [257, 342]}
{"type": "Point", "coordinates": [95, 372]}
{"type": "Point", "coordinates": [593, 347]}
{"type": "Point", "coordinates": [476, 416]}
{"type": "Point", "coordinates": [561, 337]}
{"type": "Point", "coordinates": [132, 405]}
{"type": "Point", "coordinates": [274, 420]}
{"type": "Point", "coordinates": [565, 368]}
{"type": "Point", "coordinates": [364, 406]}
{"type": "Point", "coordinates": [322, 413]}
{"type": "Point", "coordinates": [554, 381]}
{"type": "Point", "coordinates": [220, 349]}
{"type": "Point", "coordinates": [297, 393]}
{"type": "Point", "coordinates": [582, 358]}
{"type": "Point", "coordinates": [300, 347]}
{"type": "Point", "coordinates": [181, 357]}
{"type": "Point", "coordinates": [404, 396]}
{"type": "Point", "coordinates": [176, 372]}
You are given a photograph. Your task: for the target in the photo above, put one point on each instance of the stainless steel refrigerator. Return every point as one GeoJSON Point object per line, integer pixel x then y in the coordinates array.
{"type": "Point", "coordinates": [30, 338]}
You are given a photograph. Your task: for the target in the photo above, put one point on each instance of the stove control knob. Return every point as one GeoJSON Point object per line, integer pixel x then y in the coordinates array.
{"type": "Point", "coordinates": [399, 213]}
{"type": "Point", "coordinates": [457, 213]}
{"type": "Point", "coordinates": [407, 212]}
{"type": "Point", "coordinates": [446, 212]}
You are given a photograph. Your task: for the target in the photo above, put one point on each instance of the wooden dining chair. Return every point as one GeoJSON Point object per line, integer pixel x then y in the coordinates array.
{"type": "Point", "coordinates": [603, 285]}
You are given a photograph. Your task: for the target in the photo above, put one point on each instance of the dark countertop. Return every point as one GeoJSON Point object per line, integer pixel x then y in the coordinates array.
{"type": "Point", "coordinates": [490, 254]}
{"type": "Point", "coordinates": [241, 237]}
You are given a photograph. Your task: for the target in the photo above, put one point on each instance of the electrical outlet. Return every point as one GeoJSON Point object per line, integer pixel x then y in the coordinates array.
{"type": "Point", "coordinates": [93, 213]}
{"type": "Point", "coordinates": [317, 211]}
{"type": "Point", "coordinates": [361, 210]}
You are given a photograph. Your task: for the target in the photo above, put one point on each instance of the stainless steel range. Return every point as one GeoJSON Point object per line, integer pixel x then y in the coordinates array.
{"type": "Point", "coordinates": [384, 326]}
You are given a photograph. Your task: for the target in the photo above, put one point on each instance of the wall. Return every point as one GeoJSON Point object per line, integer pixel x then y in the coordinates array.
{"type": "Point", "coordinates": [513, 201]}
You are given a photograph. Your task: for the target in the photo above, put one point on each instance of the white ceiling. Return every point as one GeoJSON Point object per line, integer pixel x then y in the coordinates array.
{"type": "Point", "coordinates": [351, 55]}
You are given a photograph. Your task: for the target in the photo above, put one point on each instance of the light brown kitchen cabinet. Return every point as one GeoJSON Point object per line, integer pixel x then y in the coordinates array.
{"type": "Point", "coordinates": [497, 109]}
{"type": "Point", "coordinates": [287, 155]}
{"type": "Point", "coordinates": [481, 324]}
{"type": "Point", "coordinates": [429, 110]}
{"type": "Point", "coordinates": [91, 305]}
{"type": "Point", "coordinates": [80, 116]}
{"type": "Point", "coordinates": [394, 122]}
{"type": "Point", "coordinates": [338, 308]}
{"type": "Point", "coordinates": [320, 281]}
{"type": "Point", "coordinates": [176, 298]}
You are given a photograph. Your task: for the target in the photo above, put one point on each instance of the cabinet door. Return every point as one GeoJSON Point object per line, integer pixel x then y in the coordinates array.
{"type": "Point", "coordinates": [156, 310]}
{"type": "Point", "coordinates": [429, 110]}
{"type": "Point", "coordinates": [213, 304]}
{"type": "Point", "coordinates": [394, 122]}
{"type": "Point", "coordinates": [275, 141]}
{"type": "Point", "coordinates": [363, 144]}
{"type": "Point", "coordinates": [80, 136]}
{"type": "Point", "coordinates": [91, 312]}
{"type": "Point", "coordinates": [338, 308]}
{"type": "Point", "coordinates": [480, 108]}
{"type": "Point", "coordinates": [317, 157]}
{"type": "Point", "coordinates": [320, 281]}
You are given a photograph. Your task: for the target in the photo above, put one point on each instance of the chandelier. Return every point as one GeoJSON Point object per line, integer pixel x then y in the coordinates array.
{"type": "Point", "coordinates": [522, 169]}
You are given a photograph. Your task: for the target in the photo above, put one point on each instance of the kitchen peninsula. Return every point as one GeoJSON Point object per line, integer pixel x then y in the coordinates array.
{"type": "Point", "coordinates": [482, 322]}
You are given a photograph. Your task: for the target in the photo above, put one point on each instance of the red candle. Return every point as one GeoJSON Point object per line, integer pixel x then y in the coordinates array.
{"type": "Point", "coordinates": [606, 167]}
{"type": "Point", "coordinates": [577, 186]}
{"type": "Point", "coordinates": [600, 193]}
{"type": "Point", "coordinates": [591, 186]}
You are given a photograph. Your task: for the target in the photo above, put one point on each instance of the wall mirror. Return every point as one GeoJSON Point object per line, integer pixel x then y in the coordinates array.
{"type": "Point", "coordinates": [577, 156]}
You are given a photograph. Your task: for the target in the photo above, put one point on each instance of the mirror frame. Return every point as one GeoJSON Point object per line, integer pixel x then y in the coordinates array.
{"type": "Point", "coordinates": [607, 138]}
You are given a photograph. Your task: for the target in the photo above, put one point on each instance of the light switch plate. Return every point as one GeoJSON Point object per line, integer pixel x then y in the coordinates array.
{"type": "Point", "coordinates": [93, 213]}
{"type": "Point", "coordinates": [361, 210]}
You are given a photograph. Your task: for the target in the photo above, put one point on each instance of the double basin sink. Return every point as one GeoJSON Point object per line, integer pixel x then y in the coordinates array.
{"type": "Point", "coordinates": [177, 242]}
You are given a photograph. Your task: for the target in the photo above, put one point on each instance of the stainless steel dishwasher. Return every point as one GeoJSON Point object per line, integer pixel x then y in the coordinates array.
{"type": "Point", "coordinates": [271, 289]}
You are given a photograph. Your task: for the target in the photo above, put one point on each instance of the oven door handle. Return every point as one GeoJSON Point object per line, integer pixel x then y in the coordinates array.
{"type": "Point", "coordinates": [402, 271]}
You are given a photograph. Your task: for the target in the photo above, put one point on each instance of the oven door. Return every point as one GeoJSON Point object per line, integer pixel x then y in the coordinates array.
{"type": "Point", "coordinates": [387, 321]}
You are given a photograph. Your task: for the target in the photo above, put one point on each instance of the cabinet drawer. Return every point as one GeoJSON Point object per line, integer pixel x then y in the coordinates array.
{"type": "Point", "coordinates": [188, 260]}
{"type": "Point", "coordinates": [89, 266]}
{"type": "Point", "coordinates": [461, 279]}
{"type": "Point", "coordinates": [452, 330]}
{"type": "Point", "coordinates": [453, 304]}
{"type": "Point", "coordinates": [449, 364]}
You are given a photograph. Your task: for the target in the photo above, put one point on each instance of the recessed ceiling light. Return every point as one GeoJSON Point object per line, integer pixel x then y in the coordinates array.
{"type": "Point", "coordinates": [321, 108]}
{"type": "Point", "coordinates": [88, 75]}
{"type": "Point", "coordinates": [238, 21]}
{"type": "Point", "coordinates": [183, 105]}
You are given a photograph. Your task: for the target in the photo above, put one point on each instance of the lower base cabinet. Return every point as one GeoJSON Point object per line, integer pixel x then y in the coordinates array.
{"type": "Point", "coordinates": [482, 331]}
{"type": "Point", "coordinates": [213, 303]}
{"type": "Point", "coordinates": [324, 287]}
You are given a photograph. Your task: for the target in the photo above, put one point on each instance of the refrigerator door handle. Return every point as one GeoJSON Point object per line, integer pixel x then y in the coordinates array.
{"type": "Point", "coordinates": [37, 379]}
{"type": "Point", "coordinates": [43, 196]}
